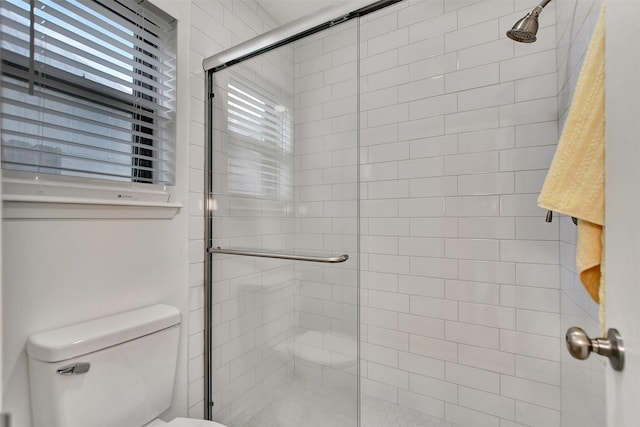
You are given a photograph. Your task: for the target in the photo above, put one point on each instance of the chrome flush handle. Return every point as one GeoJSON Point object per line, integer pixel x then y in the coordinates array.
{"type": "Point", "coordinates": [75, 369]}
{"type": "Point", "coordinates": [580, 346]}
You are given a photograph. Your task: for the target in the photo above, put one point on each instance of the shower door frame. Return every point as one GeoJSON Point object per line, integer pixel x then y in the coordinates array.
{"type": "Point", "coordinates": [296, 30]}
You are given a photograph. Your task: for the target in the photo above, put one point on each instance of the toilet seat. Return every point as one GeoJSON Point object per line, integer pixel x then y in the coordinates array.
{"type": "Point", "coordinates": [184, 422]}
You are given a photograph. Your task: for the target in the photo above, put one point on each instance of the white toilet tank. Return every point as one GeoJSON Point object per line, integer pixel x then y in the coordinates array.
{"type": "Point", "coordinates": [116, 371]}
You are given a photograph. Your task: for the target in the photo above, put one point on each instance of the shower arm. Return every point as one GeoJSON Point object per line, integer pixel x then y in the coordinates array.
{"type": "Point", "coordinates": [536, 10]}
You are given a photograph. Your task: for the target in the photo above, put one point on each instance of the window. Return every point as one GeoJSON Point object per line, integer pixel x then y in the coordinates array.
{"type": "Point", "coordinates": [260, 148]}
{"type": "Point", "coordinates": [88, 89]}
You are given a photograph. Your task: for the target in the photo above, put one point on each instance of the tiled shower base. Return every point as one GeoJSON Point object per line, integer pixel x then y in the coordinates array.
{"type": "Point", "coordinates": [378, 413]}
{"type": "Point", "coordinates": [300, 402]}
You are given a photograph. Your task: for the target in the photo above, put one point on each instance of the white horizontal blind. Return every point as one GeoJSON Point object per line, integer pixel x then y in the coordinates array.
{"type": "Point", "coordinates": [260, 144]}
{"type": "Point", "coordinates": [88, 89]}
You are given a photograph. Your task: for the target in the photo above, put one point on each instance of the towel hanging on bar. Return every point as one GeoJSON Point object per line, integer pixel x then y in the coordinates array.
{"type": "Point", "coordinates": [549, 217]}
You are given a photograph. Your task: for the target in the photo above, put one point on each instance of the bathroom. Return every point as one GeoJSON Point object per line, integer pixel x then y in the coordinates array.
{"type": "Point", "coordinates": [454, 115]}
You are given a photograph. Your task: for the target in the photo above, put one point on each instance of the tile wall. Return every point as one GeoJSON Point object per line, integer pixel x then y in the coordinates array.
{"type": "Point", "coordinates": [583, 382]}
{"type": "Point", "coordinates": [460, 273]}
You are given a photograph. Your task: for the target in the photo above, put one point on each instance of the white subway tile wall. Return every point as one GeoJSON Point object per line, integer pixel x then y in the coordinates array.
{"type": "Point", "coordinates": [460, 274]}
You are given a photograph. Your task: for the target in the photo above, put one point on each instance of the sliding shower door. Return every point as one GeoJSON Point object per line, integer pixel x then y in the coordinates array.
{"type": "Point", "coordinates": [284, 182]}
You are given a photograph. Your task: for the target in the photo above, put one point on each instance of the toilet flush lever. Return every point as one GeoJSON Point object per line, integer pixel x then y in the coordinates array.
{"type": "Point", "coordinates": [580, 346]}
{"type": "Point", "coordinates": [76, 368]}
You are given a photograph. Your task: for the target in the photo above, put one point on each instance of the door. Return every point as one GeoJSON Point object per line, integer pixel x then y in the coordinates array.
{"type": "Point", "coordinates": [4, 418]}
{"type": "Point", "coordinates": [623, 208]}
{"type": "Point", "coordinates": [284, 213]}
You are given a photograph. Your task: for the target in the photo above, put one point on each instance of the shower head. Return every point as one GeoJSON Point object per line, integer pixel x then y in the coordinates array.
{"type": "Point", "coordinates": [526, 28]}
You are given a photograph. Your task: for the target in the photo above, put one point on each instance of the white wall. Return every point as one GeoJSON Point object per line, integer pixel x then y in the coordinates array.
{"type": "Point", "coordinates": [583, 382]}
{"type": "Point", "coordinates": [460, 276]}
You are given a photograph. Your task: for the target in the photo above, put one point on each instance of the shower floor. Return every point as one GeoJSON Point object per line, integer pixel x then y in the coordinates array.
{"type": "Point", "coordinates": [378, 413]}
{"type": "Point", "coordinates": [300, 402]}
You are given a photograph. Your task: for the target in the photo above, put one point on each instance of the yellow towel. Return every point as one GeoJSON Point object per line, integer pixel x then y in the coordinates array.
{"type": "Point", "coordinates": [589, 257]}
{"type": "Point", "coordinates": [575, 182]}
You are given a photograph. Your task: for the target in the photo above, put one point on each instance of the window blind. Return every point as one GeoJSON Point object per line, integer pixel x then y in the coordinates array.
{"type": "Point", "coordinates": [88, 89]}
{"type": "Point", "coordinates": [260, 147]}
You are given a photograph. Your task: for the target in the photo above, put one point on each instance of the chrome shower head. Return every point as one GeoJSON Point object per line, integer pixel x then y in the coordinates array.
{"type": "Point", "coordinates": [526, 28]}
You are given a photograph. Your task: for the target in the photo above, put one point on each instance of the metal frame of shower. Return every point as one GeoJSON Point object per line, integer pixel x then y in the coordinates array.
{"type": "Point", "coordinates": [295, 30]}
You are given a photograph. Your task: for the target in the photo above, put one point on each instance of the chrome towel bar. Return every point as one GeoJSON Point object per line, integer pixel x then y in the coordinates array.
{"type": "Point", "coordinates": [330, 260]}
{"type": "Point", "coordinates": [549, 217]}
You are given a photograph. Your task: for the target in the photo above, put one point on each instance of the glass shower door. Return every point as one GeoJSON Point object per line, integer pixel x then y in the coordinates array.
{"type": "Point", "coordinates": [285, 182]}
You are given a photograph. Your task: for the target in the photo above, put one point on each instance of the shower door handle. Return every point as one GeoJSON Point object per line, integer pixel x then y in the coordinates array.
{"type": "Point", "coordinates": [580, 346]}
{"type": "Point", "coordinates": [330, 260]}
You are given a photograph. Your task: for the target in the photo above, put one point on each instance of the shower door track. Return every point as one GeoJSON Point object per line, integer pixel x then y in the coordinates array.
{"type": "Point", "coordinates": [290, 32]}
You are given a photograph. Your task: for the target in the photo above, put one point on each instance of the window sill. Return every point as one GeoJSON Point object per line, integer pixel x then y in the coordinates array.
{"type": "Point", "coordinates": [83, 199]}
{"type": "Point", "coordinates": [42, 207]}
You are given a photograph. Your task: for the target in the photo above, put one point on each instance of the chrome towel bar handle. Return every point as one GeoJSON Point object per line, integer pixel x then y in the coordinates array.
{"type": "Point", "coordinates": [330, 260]}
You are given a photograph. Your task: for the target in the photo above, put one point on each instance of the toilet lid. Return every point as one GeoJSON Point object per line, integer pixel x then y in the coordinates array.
{"type": "Point", "coordinates": [191, 422]}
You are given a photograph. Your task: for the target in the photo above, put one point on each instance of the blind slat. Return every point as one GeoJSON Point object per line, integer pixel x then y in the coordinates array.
{"type": "Point", "coordinates": [90, 90]}
{"type": "Point", "coordinates": [133, 35]}
{"type": "Point", "coordinates": [74, 171]}
{"type": "Point", "coordinates": [102, 138]}
{"type": "Point", "coordinates": [65, 156]}
{"type": "Point", "coordinates": [99, 60]}
{"type": "Point", "coordinates": [100, 126]}
{"type": "Point", "coordinates": [100, 152]}
{"type": "Point", "coordinates": [91, 108]}
{"type": "Point", "coordinates": [21, 26]}
{"type": "Point", "coordinates": [133, 11]}
{"type": "Point", "coordinates": [107, 112]}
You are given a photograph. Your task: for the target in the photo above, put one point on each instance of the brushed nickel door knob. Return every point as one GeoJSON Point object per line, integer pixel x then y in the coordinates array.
{"type": "Point", "coordinates": [580, 346]}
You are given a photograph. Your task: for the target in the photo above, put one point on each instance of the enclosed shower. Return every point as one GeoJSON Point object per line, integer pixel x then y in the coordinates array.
{"type": "Point", "coordinates": [375, 255]}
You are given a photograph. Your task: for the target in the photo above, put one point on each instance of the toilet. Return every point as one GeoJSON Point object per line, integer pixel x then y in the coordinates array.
{"type": "Point", "coordinates": [115, 371]}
